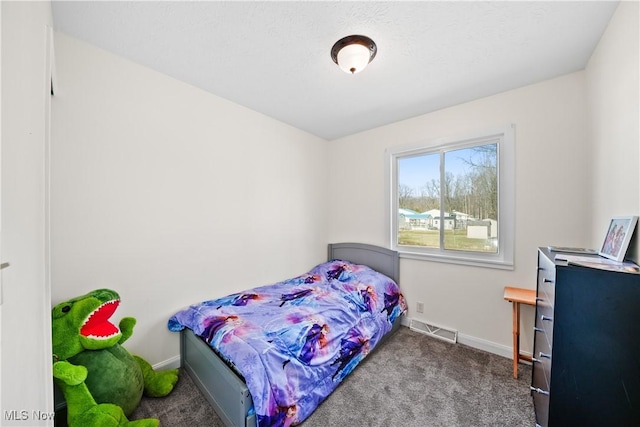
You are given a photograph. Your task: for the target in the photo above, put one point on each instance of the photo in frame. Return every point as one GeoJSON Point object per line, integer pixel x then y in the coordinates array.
{"type": "Point", "coordinates": [618, 236]}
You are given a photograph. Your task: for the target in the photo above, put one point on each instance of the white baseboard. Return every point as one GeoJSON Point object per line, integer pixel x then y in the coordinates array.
{"type": "Point", "coordinates": [479, 343]}
{"type": "Point", "coordinates": [488, 346]}
{"type": "Point", "coordinates": [171, 363]}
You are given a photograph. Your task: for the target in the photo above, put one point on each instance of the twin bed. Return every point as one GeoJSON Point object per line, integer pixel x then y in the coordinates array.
{"type": "Point", "coordinates": [270, 355]}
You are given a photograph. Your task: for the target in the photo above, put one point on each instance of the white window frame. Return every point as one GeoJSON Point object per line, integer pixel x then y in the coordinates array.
{"type": "Point", "coordinates": [504, 258]}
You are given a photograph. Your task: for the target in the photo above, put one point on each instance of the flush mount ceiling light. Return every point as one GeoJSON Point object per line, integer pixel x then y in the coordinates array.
{"type": "Point", "coordinates": [353, 53]}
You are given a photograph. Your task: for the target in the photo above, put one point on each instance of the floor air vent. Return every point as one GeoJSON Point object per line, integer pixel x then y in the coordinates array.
{"type": "Point", "coordinates": [441, 332]}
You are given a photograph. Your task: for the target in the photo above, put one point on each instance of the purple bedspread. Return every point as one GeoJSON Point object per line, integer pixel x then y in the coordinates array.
{"type": "Point", "coordinates": [296, 340]}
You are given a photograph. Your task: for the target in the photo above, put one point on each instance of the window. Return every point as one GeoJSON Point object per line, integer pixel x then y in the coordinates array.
{"type": "Point", "coordinates": [453, 200]}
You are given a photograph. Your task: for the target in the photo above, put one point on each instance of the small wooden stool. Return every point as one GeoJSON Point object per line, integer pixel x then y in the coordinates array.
{"type": "Point", "coordinates": [518, 296]}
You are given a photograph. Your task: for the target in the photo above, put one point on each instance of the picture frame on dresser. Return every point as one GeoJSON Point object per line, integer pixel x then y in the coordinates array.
{"type": "Point", "coordinates": [618, 236]}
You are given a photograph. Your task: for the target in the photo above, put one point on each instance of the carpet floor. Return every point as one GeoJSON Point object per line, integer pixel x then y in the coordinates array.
{"type": "Point", "coordinates": [412, 380]}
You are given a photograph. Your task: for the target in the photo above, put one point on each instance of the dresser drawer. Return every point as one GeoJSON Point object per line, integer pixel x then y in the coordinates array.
{"type": "Point", "coordinates": [546, 278]}
{"type": "Point", "coordinates": [544, 320]}
{"type": "Point", "coordinates": [546, 285]}
{"type": "Point", "coordinates": [542, 358]}
{"type": "Point", "coordinates": [541, 403]}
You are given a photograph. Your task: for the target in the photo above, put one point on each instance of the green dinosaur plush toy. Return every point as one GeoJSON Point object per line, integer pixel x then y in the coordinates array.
{"type": "Point", "coordinates": [101, 381]}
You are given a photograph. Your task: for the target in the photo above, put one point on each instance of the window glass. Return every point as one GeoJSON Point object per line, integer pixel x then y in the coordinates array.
{"type": "Point", "coordinates": [418, 194]}
{"type": "Point", "coordinates": [470, 190]}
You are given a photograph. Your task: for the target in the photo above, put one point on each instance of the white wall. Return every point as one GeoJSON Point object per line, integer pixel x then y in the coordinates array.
{"type": "Point", "coordinates": [613, 92]}
{"type": "Point", "coordinates": [577, 158]}
{"type": "Point", "coordinates": [171, 195]}
{"type": "Point", "coordinates": [25, 312]}
{"type": "Point", "coordinates": [551, 169]}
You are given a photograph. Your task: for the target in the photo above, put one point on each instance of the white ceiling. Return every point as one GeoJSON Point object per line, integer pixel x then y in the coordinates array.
{"type": "Point", "coordinates": [273, 57]}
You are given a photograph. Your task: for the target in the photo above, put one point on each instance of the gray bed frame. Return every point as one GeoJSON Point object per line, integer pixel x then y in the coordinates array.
{"type": "Point", "coordinates": [225, 390]}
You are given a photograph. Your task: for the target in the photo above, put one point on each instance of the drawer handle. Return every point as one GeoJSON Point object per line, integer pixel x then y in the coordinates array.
{"type": "Point", "coordinates": [4, 265]}
{"type": "Point", "coordinates": [539, 390]}
{"type": "Point", "coordinates": [545, 280]}
{"type": "Point", "coordinates": [534, 360]}
{"type": "Point", "coordinates": [536, 329]}
{"type": "Point", "coordinates": [543, 317]}
{"type": "Point", "coordinates": [539, 299]}
{"type": "Point", "coordinates": [545, 355]}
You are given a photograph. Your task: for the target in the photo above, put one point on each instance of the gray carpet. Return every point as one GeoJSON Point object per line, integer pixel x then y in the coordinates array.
{"type": "Point", "coordinates": [412, 381]}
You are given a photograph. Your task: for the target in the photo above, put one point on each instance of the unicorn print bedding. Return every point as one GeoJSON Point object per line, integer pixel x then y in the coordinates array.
{"type": "Point", "coordinates": [295, 341]}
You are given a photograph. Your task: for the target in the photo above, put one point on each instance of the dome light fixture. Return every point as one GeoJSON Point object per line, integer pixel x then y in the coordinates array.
{"type": "Point", "coordinates": [353, 53]}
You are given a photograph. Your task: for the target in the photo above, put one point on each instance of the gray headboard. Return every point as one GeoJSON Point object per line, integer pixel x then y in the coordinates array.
{"type": "Point", "coordinates": [383, 260]}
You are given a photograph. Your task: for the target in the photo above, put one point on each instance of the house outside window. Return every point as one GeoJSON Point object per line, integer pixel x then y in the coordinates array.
{"type": "Point", "coordinates": [453, 200]}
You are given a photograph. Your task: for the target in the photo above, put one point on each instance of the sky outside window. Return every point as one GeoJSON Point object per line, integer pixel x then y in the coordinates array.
{"type": "Point", "coordinates": [415, 172]}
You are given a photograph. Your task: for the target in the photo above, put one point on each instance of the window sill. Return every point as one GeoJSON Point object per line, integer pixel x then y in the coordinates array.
{"type": "Point", "coordinates": [472, 261]}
